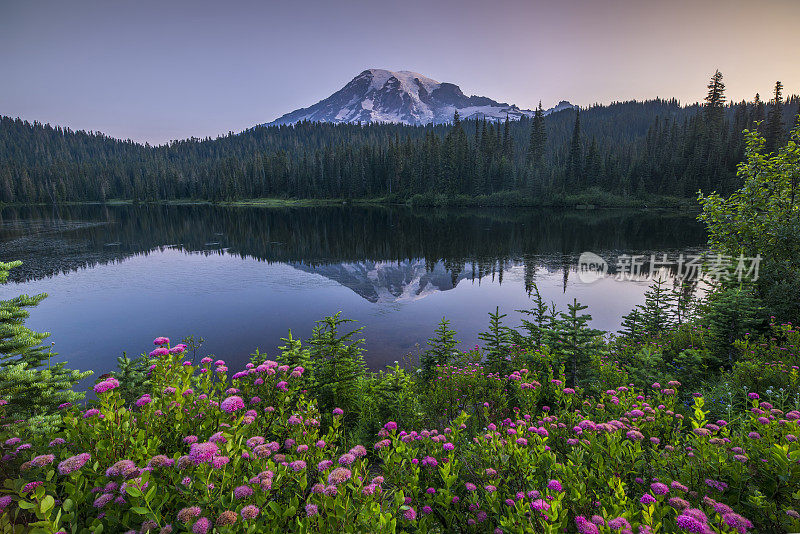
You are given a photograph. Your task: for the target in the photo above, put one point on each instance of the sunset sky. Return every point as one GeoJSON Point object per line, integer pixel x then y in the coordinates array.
{"type": "Point", "coordinates": [160, 70]}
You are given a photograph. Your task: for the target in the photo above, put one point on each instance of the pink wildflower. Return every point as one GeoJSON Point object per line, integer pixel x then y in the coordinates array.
{"type": "Point", "coordinates": [72, 464]}
{"type": "Point", "coordinates": [232, 404]}
{"type": "Point", "coordinates": [106, 385]}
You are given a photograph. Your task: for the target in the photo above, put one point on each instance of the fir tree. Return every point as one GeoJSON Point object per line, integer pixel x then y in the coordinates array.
{"type": "Point", "coordinates": [134, 377]}
{"type": "Point", "coordinates": [632, 329]}
{"type": "Point", "coordinates": [683, 302]}
{"type": "Point", "coordinates": [774, 131]}
{"type": "Point", "coordinates": [294, 354]}
{"type": "Point", "coordinates": [497, 340]}
{"type": "Point", "coordinates": [732, 312]}
{"type": "Point", "coordinates": [576, 341]}
{"type": "Point", "coordinates": [656, 312]}
{"type": "Point", "coordinates": [440, 350]}
{"type": "Point", "coordinates": [337, 363]}
{"type": "Point", "coordinates": [538, 138]}
{"type": "Point", "coordinates": [576, 152]}
{"type": "Point", "coordinates": [593, 164]}
{"type": "Point", "coordinates": [797, 118]}
{"type": "Point", "coordinates": [32, 385]}
{"type": "Point", "coordinates": [539, 328]}
{"type": "Point", "coordinates": [715, 100]}
{"type": "Point", "coordinates": [508, 147]}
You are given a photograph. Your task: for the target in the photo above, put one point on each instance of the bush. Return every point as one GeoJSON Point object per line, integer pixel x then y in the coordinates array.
{"type": "Point", "coordinates": [31, 386]}
{"type": "Point", "coordinates": [249, 453]}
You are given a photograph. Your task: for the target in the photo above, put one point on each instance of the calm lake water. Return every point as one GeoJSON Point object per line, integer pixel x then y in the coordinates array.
{"type": "Point", "coordinates": [242, 277]}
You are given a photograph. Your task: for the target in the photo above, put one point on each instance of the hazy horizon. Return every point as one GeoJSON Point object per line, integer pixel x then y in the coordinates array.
{"type": "Point", "coordinates": [156, 72]}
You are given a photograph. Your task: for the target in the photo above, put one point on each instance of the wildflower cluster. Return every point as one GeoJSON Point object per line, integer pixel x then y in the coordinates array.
{"type": "Point", "coordinates": [206, 452]}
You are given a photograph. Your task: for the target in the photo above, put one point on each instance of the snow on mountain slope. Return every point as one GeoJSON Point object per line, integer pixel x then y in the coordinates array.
{"type": "Point", "coordinates": [378, 95]}
{"type": "Point", "coordinates": [382, 281]}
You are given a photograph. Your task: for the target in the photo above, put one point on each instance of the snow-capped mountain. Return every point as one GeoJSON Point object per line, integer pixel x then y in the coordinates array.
{"type": "Point", "coordinates": [411, 280]}
{"type": "Point", "coordinates": [378, 95]}
{"type": "Point", "coordinates": [386, 281]}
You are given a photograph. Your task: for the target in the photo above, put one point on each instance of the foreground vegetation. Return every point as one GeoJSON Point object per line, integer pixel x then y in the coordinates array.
{"type": "Point", "coordinates": [250, 452]}
{"type": "Point", "coordinates": [686, 421]}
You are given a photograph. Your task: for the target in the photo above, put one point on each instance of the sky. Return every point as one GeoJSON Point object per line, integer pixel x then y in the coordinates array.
{"type": "Point", "coordinates": [156, 71]}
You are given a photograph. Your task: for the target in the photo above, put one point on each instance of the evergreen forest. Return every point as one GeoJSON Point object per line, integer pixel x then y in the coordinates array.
{"type": "Point", "coordinates": [645, 150]}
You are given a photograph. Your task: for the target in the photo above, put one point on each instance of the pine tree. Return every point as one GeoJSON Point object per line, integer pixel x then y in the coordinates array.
{"type": "Point", "coordinates": [441, 349]}
{"type": "Point", "coordinates": [337, 363]}
{"type": "Point", "coordinates": [32, 386]}
{"type": "Point", "coordinates": [732, 312]}
{"type": "Point", "coordinates": [538, 138]}
{"type": "Point", "coordinates": [656, 312]}
{"type": "Point", "coordinates": [134, 377]}
{"type": "Point", "coordinates": [774, 132]}
{"type": "Point", "coordinates": [539, 328]}
{"type": "Point", "coordinates": [715, 101]}
{"type": "Point", "coordinates": [575, 167]}
{"type": "Point", "coordinates": [294, 354]}
{"type": "Point", "coordinates": [576, 341]}
{"type": "Point", "coordinates": [497, 340]}
{"type": "Point", "coordinates": [632, 326]}
{"type": "Point", "coordinates": [593, 164]}
{"type": "Point", "coordinates": [508, 148]}
{"type": "Point", "coordinates": [683, 302]}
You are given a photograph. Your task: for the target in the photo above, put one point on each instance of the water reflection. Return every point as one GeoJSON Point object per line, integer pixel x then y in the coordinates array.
{"type": "Point", "coordinates": [381, 254]}
{"type": "Point", "coordinates": [241, 277]}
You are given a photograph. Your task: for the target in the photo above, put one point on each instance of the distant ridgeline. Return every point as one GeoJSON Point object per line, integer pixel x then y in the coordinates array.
{"type": "Point", "coordinates": [637, 149]}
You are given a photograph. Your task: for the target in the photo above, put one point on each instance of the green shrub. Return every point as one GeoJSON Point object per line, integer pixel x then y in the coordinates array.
{"type": "Point", "coordinates": [249, 453]}
{"type": "Point", "coordinates": [31, 386]}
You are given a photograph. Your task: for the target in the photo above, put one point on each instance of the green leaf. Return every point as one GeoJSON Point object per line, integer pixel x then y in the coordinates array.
{"type": "Point", "coordinates": [47, 504]}
{"type": "Point", "coordinates": [133, 491]}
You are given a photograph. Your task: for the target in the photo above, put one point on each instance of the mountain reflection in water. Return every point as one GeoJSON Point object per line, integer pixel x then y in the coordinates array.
{"type": "Point", "coordinates": [241, 277]}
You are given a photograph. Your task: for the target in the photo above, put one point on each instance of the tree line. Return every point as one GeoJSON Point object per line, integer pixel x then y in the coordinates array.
{"type": "Point", "coordinates": [633, 149]}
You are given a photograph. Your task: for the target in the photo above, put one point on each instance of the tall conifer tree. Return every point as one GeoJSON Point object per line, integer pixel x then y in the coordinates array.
{"type": "Point", "coordinates": [538, 138]}
{"type": "Point", "coordinates": [715, 101]}
{"type": "Point", "coordinates": [774, 132]}
{"type": "Point", "coordinates": [576, 152]}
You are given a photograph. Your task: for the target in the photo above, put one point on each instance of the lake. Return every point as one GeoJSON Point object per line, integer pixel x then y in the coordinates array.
{"type": "Point", "coordinates": [241, 277]}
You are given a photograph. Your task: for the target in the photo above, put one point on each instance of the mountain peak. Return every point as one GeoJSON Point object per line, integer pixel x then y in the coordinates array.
{"type": "Point", "coordinates": [406, 77]}
{"type": "Point", "coordinates": [380, 95]}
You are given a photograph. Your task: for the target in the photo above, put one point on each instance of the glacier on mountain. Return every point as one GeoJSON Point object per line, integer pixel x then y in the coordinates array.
{"type": "Point", "coordinates": [378, 95]}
